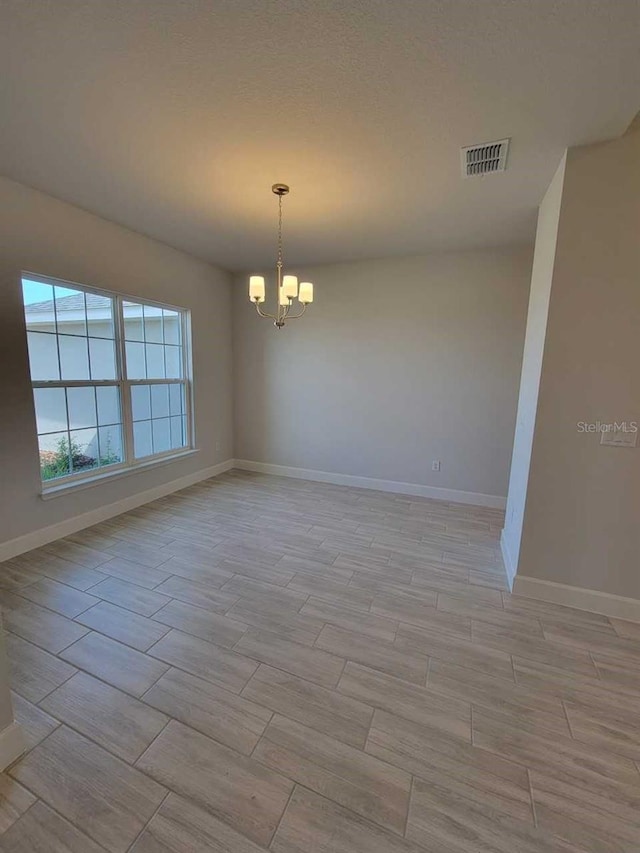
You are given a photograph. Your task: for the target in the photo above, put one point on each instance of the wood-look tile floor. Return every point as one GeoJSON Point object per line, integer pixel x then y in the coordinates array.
{"type": "Point", "coordinates": [259, 664]}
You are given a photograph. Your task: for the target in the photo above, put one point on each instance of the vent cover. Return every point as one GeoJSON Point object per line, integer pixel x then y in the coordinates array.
{"type": "Point", "coordinates": [484, 159]}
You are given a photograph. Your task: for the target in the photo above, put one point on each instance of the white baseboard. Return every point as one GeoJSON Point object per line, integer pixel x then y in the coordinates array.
{"type": "Point", "coordinates": [507, 559]}
{"type": "Point", "coordinates": [582, 599]}
{"type": "Point", "coordinates": [12, 744]}
{"type": "Point", "coordinates": [21, 544]}
{"type": "Point", "coordinates": [450, 495]}
{"type": "Point", "coordinates": [37, 538]}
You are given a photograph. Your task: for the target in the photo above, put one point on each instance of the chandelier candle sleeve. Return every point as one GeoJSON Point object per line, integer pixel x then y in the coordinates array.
{"type": "Point", "coordinates": [306, 292]}
{"type": "Point", "coordinates": [256, 288]}
{"type": "Point", "coordinates": [290, 286]}
{"type": "Point", "coordinates": [286, 285]}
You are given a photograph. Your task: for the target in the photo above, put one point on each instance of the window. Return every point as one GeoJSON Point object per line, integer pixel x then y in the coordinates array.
{"type": "Point", "coordinates": [110, 379]}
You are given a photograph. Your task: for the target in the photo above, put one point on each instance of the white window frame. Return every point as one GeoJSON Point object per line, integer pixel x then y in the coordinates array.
{"type": "Point", "coordinates": [129, 464]}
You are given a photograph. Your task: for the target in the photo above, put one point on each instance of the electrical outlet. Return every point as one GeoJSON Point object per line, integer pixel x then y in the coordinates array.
{"type": "Point", "coordinates": [435, 465]}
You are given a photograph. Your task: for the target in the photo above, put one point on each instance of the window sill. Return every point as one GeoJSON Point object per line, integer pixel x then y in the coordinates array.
{"type": "Point", "coordinates": [50, 492]}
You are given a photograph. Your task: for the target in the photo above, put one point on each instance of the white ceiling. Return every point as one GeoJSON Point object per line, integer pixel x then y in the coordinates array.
{"type": "Point", "coordinates": [174, 117]}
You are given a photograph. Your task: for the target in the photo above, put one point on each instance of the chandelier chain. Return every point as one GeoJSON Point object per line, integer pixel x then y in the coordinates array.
{"type": "Point", "coordinates": [280, 231]}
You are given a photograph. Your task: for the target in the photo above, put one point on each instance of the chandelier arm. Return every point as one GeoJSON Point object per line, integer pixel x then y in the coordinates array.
{"type": "Point", "coordinates": [264, 313]}
{"type": "Point", "coordinates": [299, 314]}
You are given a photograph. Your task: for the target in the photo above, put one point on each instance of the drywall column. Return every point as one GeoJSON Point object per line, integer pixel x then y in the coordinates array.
{"type": "Point", "coordinates": [580, 536]}
{"type": "Point", "coordinates": [11, 738]}
{"type": "Point", "coordinates": [539, 295]}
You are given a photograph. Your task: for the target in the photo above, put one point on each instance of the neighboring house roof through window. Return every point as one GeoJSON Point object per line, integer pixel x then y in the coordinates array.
{"type": "Point", "coordinates": [75, 302]}
{"type": "Point", "coordinates": [71, 308]}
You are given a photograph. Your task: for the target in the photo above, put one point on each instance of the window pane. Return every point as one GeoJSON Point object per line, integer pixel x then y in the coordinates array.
{"type": "Point", "coordinates": [159, 401]}
{"type": "Point", "coordinates": [43, 356]}
{"type": "Point", "coordinates": [38, 305]}
{"type": "Point", "coordinates": [172, 327]}
{"type": "Point", "coordinates": [133, 330]}
{"type": "Point", "coordinates": [152, 324]}
{"type": "Point", "coordinates": [54, 455]}
{"type": "Point", "coordinates": [100, 316]}
{"type": "Point", "coordinates": [103, 359]}
{"type": "Point", "coordinates": [110, 439]}
{"type": "Point", "coordinates": [140, 402]}
{"type": "Point", "coordinates": [84, 449]}
{"type": "Point", "coordinates": [71, 314]}
{"type": "Point", "coordinates": [161, 435]}
{"type": "Point", "coordinates": [155, 361]}
{"type": "Point", "coordinates": [108, 405]}
{"type": "Point", "coordinates": [176, 406]}
{"type": "Point", "coordinates": [82, 407]}
{"type": "Point", "coordinates": [142, 439]}
{"type": "Point", "coordinates": [74, 359]}
{"type": "Point", "coordinates": [51, 409]}
{"type": "Point", "coordinates": [177, 434]}
{"type": "Point", "coordinates": [73, 337]}
{"type": "Point", "coordinates": [136, 368]}
{"type": "Point", "coordinates": [173, 362]}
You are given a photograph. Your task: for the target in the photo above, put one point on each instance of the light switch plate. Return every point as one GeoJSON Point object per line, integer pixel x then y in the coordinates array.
{"type": "Point", "coordinates": [619, 437]}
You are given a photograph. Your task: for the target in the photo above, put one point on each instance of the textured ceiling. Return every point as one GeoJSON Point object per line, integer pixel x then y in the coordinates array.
{"type": "Point", "coordinates": [174, 117]}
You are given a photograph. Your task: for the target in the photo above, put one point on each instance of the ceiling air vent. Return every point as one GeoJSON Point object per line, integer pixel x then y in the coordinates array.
{"type": "Point", "coordinates": [484, 159]}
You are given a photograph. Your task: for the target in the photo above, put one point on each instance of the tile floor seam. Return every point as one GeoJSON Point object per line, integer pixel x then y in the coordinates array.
{"type": "Point", "coordinates": [43, 648]}
{"type": "Point", "coordinates": [84, 672]}
{"type": "Point", "coordinates": [41, 578]}
{"type": "Point", "coordinates": [426, 679]}
{"type": "Point", "coordinates": [568, 719]}
{"type": "Point", "coordinates": [46, 607]}
{"type": "Point", "coordinates": [60, 815]}
{"type": "Point", "coordinates": [284, 811]}
{"type": "Point", "coordinates": [533, 801]}
{"type": "Point", "coordinates": [42, 698]}
{"type": "Point", "coordinates": [135, 840]}
{"type": "Point", "coordinates": [406, 820]}
{"type": "Point", "coordinates": [83, 734]}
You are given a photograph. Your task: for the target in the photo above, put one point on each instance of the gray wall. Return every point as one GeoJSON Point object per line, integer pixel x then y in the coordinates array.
{"type": "Point", "coordinates": [42, 235]}
{"type": "Point", "coordinates": [398, 362]}
{"type": "Point", "coordinates": [541, 276]}
{"type": "Point", "coordinates": [583, 499]}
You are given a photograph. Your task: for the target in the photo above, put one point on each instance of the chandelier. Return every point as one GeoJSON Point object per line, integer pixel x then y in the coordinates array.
{"type": "Point", "coordinates": [288, 288]}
